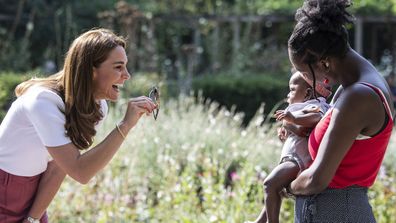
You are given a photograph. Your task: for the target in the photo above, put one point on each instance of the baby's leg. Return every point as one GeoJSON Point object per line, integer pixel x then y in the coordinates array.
{"type": "Point", "coordinates": [279, 178]}
{"type": "Point", "coordinates": [262, 218]}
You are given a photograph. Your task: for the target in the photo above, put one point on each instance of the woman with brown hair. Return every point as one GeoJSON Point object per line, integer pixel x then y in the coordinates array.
{"type": "Point", "coordinates": [54, 118]}
{"type": "Point", "coordinates": [349, 143]}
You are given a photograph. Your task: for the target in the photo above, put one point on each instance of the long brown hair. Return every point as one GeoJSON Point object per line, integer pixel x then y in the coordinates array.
{"type": "Point", "coordinates": [74, 83]}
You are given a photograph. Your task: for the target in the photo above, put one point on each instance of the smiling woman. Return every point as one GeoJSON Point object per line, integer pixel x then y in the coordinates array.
{"type": "Point", "coordinates": [57, 117]}
{"type": "Point", "coordinates": [109, 76]}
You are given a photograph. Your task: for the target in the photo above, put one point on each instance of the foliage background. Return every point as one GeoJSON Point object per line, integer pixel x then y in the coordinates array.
{"type": "Point", "coordinates": [202, 161]}
{"type": "Point", "coordinates": [185, 43]}
{"type": "Point", "coordinates": [194, 164]}
{"type": "Point", "coordinates": [41, 30]}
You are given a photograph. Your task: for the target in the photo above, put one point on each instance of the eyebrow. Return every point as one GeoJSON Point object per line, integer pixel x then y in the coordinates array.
{"type": "Point", "coordinates": [119, 62]}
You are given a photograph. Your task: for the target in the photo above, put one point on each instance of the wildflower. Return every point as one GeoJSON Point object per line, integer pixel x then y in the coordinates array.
{"type": "Point", "coordinates": [234, 176]}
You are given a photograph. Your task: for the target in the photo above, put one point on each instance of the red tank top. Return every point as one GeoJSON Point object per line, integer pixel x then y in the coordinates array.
{"type": "Point", "coordinates": [362, 162]}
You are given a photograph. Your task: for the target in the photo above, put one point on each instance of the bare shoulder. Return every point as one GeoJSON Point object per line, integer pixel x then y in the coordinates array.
{"type": "Point", "coordinates": [359, 95]}
{"type": "Point", "coordinates": [361, 105]}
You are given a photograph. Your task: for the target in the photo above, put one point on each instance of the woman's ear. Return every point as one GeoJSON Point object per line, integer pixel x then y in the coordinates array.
{"type": "Point", "coordinates": [325, 64]}
{"type": "Point", "coordinates": [308, 93]}
{"type": "Point", "coordinates": [94, 73]}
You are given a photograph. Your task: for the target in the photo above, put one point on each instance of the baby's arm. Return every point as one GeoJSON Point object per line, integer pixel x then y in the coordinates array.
{"type": "Point", "coordinates": [296, 129]}
{"type": "Point", "coordinates": [307, 117]}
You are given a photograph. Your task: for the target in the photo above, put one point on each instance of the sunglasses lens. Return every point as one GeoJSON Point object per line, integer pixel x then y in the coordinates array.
{"type": "Point", "coordinates": [154, 96]}
{"type": "Point", "coordinates": [155, 113]}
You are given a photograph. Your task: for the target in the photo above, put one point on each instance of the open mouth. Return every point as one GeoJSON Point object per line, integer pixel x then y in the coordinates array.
{"type": "Point", "coordinates": [117, 87]}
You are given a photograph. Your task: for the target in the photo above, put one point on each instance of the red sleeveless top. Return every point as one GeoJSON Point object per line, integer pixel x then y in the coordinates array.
{"type": "Point", "coordinates": [362, 162]}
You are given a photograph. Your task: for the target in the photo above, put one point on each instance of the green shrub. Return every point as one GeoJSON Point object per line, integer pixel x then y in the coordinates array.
{"type": "Point", "coordinates": [140, 84]}
{"type": "Point", "coordinates": [244, 92]}
{"type": "Point", "coordinates": [8, 82]}
{"type": "Point", "coordinates": [247, 92]}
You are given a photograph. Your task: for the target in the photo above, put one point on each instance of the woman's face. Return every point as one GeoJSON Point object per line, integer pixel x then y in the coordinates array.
{"type": "Point", "coordinates": [305, 69]}
{"type": "Point", "coordinates": [110, 75]}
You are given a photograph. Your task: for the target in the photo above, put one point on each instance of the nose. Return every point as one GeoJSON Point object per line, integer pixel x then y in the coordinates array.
{"type": "Point", "coordinates": [126, 74]}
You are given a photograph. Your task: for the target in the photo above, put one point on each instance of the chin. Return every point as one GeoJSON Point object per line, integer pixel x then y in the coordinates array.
{"type": "Point", "coordinates": [113, 99]}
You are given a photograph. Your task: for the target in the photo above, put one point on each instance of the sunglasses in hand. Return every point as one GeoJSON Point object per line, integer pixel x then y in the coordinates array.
{"type": "Point", "coordinates": [154, 95]}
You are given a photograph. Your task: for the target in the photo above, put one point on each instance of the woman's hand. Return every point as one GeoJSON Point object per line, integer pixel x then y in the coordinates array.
{"type": "Point", "coordinates": [286, 192]}
{"type": "Point", "coordinates": [136, 108]}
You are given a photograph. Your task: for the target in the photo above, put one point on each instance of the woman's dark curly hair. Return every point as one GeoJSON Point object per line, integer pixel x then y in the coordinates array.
{"type": "Point", "coordinates": [320, 30]}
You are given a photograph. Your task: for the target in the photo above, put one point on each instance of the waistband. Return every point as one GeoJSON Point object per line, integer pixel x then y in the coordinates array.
{"type": "Point", "coordinates": [350, 204]}
{"type": "Point", "coordinates": [6, 178]}
{"type": "Point", "coordinates": [330, 190]}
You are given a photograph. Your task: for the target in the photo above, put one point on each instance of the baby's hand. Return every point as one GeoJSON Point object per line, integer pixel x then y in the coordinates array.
{"type": "Point", "coordinates": [284, 115]}
{"type": "Point", "coordinates": [278, 113]}
{"type": "Point", "coordinates": [282, 133]}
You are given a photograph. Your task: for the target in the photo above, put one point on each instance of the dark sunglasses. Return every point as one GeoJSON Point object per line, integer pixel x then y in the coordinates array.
{"type": "Point", "coordinates": [154, 96]}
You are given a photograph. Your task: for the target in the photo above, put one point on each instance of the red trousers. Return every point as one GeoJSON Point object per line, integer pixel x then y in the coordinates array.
{"type": "Point", "coordinates": [16, 197]}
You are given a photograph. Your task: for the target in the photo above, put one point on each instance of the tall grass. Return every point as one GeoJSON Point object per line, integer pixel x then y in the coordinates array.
{"type": "Point", "coordinates": [194, 164]}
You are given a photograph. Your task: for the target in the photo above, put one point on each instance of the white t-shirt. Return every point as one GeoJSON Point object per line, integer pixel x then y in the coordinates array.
{"type": "Point", "coordinates": [35, 120]}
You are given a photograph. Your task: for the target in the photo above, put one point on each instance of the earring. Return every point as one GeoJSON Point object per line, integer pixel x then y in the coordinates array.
{"type": "Point", "coordinates": [327, 65]}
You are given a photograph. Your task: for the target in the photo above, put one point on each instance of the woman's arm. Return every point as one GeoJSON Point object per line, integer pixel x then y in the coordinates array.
{"type": "Point", "coordinates": [349, 118]}
{"type": "Point", "coordinates": [49, 185]}
{"type": "Point", "coordinates": [82, 167]}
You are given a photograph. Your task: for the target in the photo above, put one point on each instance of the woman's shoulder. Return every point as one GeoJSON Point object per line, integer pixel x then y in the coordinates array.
{"type": "Point", "coordinates": [43, 96]}
{"type": "Point", "coordinates": [43, 92]}
{"type": "Point", "coordinates": [360, 100]}
{"type": "Point", "coordinates": [361, 90]}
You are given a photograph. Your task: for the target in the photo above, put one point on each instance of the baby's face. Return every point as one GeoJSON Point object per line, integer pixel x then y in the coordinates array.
{"type": "Point", "coordinates": [298, 90]}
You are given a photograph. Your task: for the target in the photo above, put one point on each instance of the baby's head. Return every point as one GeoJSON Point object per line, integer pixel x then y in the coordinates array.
{"type": "Point", "coordinates": [300, 90]}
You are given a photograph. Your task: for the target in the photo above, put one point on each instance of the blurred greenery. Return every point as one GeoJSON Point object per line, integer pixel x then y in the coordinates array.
{"type": "Point", "coordinates": [194, 164]}
{"type": "Point", "coordinates": [8, 82]}
{"type": "Point", "coordinates": [246, 92]}
{"type": "Point", "coordinates": [375, 7]}
{"type": "Point", "coordinates": [35, 32]}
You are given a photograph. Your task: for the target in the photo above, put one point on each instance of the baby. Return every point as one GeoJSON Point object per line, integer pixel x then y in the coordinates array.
{"type": "Point", "coordinates": [305, 110]}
